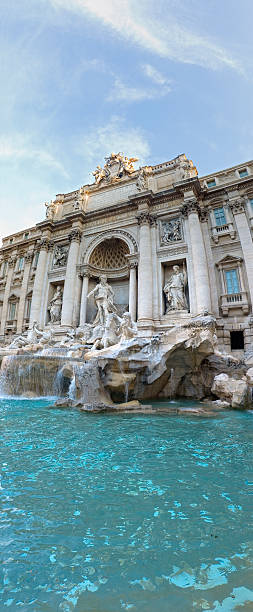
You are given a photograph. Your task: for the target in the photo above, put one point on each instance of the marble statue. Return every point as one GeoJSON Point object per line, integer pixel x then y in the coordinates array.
{"type": "Point", "coordinates": [110, 335]}
{"type": "Point", "coordinates": [116, 166]}
{"type": "Point", "coordinates": [50, 209]}
{"type": "Point", "coordinates": [141, 182]}
{"type": "Point", "coordinates": [56, 306]}
{"type": "Point", "coordinates": [103, 296]}
{"type": "Point", "coordinates": [127, 329]}
{"type": "Point", "coordinates": [34, 335]}
{"type": "Point", "coordinates": [175, 290]}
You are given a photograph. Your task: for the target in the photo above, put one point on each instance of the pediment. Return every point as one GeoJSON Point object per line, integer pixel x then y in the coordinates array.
{"type": "Point", "coordinates": [13, 297]}
{"type": "Point", "coordinates": [229, 259]}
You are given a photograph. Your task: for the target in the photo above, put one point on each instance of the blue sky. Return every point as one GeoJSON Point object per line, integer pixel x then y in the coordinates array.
{"type": "Point", "coordinates": [83, 78]}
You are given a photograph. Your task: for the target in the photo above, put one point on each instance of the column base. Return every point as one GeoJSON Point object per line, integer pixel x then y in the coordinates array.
{"type": "Point", "coordinates": [145, 328]}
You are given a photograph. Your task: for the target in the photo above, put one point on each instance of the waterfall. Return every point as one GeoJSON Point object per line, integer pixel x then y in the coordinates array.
{"type": "Point", "coordinates": [29, 375]}
{"type": "Point", "coordinates": [125, 380]}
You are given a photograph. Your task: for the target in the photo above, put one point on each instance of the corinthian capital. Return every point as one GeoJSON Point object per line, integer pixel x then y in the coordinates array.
{"type": "Point", "coordinates": [190, 206]}
{"type": "Point", "coordinates": [75, 235]}
{"type": "Point", "coordinates": [145, 218]}
{"type": "Point", "coordinates": [237, 206]}
{"type": "Point", "coordinates": [44, 244]}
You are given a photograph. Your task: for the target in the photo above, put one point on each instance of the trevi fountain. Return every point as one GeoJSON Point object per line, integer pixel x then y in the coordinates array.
{"type": "Point", "coordinates": [126, 394]}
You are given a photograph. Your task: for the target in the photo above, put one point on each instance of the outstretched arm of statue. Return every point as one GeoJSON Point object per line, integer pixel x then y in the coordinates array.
{"type": "Point", "coordinates": [91, 292]}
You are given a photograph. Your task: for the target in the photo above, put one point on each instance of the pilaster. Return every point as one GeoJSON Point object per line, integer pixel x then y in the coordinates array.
{"type": "Point", "coordinates": [70, 279]}
{"type": "Point", "coordinates": [145, 270]}
{"type": "Point", "coordinates": [237, 206]}
{"type": "Point", "coordinates": [38, 288]}
{"type": "Point", "coordinates": [21, 309]}
{"type": "Point", "coordinates": [192, 210]}
{"type": "Point", "coordinates": [11, 265]}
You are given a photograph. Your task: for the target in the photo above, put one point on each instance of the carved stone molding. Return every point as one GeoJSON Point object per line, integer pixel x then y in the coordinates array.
{"type": "Point", "coordinates": [145, 218]}
{"type": "Point", "coordinates": [75, 235]}
{"type": "Point", "coordinates": [191, 206]}
{"type": "Point", "coordinates": [237, 206]}
{"type": "Point", "coordinates": [169, 252]}
{"type": "Point", "coordinates": [129, 239]}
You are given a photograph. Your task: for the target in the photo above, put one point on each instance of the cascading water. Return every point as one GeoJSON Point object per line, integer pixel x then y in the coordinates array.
{"type": "Point", "coordinates": [26, 375]}
{"type": "Point", "coordinates": [125, 381]}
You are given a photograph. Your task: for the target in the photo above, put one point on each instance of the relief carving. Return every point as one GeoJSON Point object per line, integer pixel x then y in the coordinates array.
{"type": "Point", "coordinates": [171, 231]}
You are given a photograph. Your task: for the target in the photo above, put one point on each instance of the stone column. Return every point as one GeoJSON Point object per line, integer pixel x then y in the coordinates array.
{"type": "Point", "coordinates": [70, 279]}
{"type": "Point", "coordinates": [156, 316]}
{"type": "Point", "coordinates": [132, 290]}
{"type": "Point", "coordinates": [11, 264]}
{"type": "Point", "coordinates": [238, 208]}
{"type": "Point", "coordinates": [83, 309]}
{"type": "Point", "coordinates": [210, 262]}
{"type": "Point", "coordinates": [37, 297]}
{"type": "Point", "coordinates": [200, 268]}
{"type": "Point", "coordinates": [145, 281]}
{"type": "Point", "coordinates": [21, 309]}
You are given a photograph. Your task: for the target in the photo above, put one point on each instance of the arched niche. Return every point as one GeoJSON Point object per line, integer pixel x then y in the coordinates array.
{"type": "Point", "coordinates": [110, 257]}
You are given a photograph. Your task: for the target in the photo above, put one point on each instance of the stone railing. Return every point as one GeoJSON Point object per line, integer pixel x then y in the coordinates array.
{"type": "Point", "coordinates": [234, 300]}
{"type": "Point", "coordinates": [222, 230]}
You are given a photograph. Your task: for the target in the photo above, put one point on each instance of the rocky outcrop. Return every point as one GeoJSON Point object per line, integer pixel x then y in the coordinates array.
{"type": "Point", "coordinates": [232, 390]}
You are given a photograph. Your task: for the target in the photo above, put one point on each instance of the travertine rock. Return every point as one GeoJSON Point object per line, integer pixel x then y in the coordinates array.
{"type": "Point", "coordinates": [231, 390]}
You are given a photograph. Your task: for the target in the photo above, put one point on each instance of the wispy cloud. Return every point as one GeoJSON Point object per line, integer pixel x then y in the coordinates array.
{"type": "Point", "coordinates": [18, 147]}
{"type": "Point", "coordinates": [156, 76]}
{"type": "Point", "coordinates": [155, 27]}
{"type": "Point", "coordinates": [115, 136]}
{"type": "Point", "coordinates": [122, 92]}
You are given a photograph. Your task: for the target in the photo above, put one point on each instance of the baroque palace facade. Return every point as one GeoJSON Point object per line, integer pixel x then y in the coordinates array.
{"type": "Point", "coordinates": [171, 244]}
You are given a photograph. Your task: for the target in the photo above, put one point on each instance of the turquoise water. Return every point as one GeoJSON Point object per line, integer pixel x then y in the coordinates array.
{"type": "Point", "coordinates": [125, 512]}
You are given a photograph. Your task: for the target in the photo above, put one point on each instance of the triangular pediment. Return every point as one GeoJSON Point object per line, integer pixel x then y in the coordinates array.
{"type": "Point", "coordinates": [229, 259]}
{"type": "Point", "coordinates": [13, 297]}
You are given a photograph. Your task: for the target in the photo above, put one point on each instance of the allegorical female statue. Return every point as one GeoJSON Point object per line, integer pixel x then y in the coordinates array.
{"type": "Point", "coordinates": [103, 296]}
{"type": "Point", "coordinates": [56, 306]}
{"type": "Point", "coordinates": [175, 290]}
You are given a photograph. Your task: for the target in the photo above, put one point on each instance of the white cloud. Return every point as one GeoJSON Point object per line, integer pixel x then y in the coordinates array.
{"type": "Point", "coordinates": [115, 136]}
{"type": "Point", "coordinates": [18, 147]}
{"type": "Point", "coordinates": [155, 75]}
{"type": "Point", "coordinates": [154, 26]}
{"type": "Point", "coordinates": [122, 92]}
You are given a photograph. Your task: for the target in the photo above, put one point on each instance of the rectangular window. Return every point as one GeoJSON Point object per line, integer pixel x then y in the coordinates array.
{"type": "Point", "coordinates": [251, 202]}
{"type": "Point", "coordinates": [236, 340]}
{"type": "Point", "coordinates": [220, 216]}
{"type": "Point", "coordinates": [26, 235]}
{"type": "Point", "coordinates": [243, 173]}
{"type": "Point", "coordinates": [211, 183]}
{"type": "Point", "coordinates": [232, 281]}
{"type": "Point", "coordinates": [21, 263]}
{"type": "Point", "coordinates": [12, 311]}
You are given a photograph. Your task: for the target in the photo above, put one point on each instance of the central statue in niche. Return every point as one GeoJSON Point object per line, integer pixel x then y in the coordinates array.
{"type": "Point", "coordinates": [175, 290]}
{"type": "Point", "coordinates": [103, 296]}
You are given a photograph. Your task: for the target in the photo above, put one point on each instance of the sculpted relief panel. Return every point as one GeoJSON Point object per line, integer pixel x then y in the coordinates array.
{"type": "Point", "coordinates": [60, 256]}
{"type": "Point", "coordinates": [171, 231]}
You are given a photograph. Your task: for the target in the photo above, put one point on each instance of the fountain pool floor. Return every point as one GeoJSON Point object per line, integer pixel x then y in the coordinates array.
{"type": "Point", "coordinates": [106, 513]}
